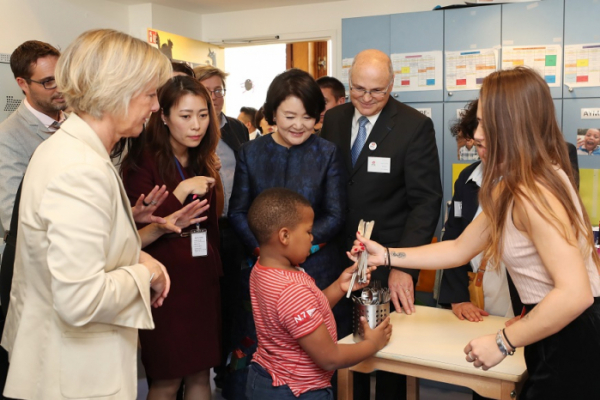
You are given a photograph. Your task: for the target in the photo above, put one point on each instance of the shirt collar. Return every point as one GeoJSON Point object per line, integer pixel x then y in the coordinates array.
{"type": "Point", "coordinates": [44, 119]}
{"type": "Point", "coordinates": [477, 175]}
{"type": "Point", "coordinates": [372, 119]}
{"type": "Point", "coordinates": [223, 120]}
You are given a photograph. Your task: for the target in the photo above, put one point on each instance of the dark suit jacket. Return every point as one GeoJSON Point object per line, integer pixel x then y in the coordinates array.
{"type": "Point", "coordinates": [234, 134]}
{"type": "Point", "coordinates": [405, 203]}
{"type": "Point", "coordinates": [455, 281]}
{"type": "Point", "coordinates": [574, 162]}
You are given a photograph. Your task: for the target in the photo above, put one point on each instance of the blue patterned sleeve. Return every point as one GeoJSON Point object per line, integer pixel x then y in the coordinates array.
{"type": "Point", "coordinates": [328, 224]}
{"type": "Point", "coordinates": [240, 201]}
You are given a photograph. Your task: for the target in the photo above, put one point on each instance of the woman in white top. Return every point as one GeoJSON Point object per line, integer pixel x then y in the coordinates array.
{"type": "Point", "coordinates": [533, 220]}
{"type": "Point", "coordinates": [81, 286]}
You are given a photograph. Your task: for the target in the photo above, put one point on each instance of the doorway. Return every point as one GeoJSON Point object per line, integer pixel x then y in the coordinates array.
{"type": "Point", "coordinates": [252, 68]}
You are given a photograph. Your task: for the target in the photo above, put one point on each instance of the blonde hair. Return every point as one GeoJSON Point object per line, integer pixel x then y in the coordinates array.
{"type": "Point", "coordinates": [203, 72]}
{"type": "Point", "coordinates": [103, 69]}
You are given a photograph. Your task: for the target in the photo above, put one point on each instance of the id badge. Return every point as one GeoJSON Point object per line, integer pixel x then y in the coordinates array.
{"type": "Point", "coordinates": [458, 209]}
{"type": "Point", "coordinates": [381, 165]}
{"type": "Point", "coordinates": [199, 243]}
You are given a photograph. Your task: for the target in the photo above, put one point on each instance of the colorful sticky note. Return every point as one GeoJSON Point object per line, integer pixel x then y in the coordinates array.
{"type": "Point", "coordinates": [584, 62]}
{"type": "Point", "coordinates": [430, 82]}
{"type": "Point", "coordinates": [405, 70]}
{"type": "Point", "coordinates": [570, 78]}
{"type": "Point", "coordinates": [550, 78]}
{"type": "Point", "coordinates": [582, 78]}
{"type": "Point", "coordinates": [551, 60]}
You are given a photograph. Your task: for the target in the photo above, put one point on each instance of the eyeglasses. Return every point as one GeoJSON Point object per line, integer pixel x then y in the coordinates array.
{"type": "Point", "coordinates": [218, 93]}
{"type": "Point", "coordinates": [376, 94]}
{"type": "Point", "coordinates": [47, 84]}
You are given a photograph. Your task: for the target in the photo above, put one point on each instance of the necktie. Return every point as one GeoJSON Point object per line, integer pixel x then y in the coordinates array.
{"type": "Point", "coordinates": [360, 140]}
{"type": "Point", "coordinates": [55, 126]}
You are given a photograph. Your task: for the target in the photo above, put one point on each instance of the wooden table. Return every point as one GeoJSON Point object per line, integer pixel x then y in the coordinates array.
{"type": "Point", "coordinates": [429, 344]}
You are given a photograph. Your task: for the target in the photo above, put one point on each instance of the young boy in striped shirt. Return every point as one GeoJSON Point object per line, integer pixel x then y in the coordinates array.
{"type": "Point", "coordinates": [297, 340]}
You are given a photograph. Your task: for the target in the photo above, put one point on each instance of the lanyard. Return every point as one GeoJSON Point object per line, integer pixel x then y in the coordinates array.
{"type": "Point", "coordinates": [179, 169]}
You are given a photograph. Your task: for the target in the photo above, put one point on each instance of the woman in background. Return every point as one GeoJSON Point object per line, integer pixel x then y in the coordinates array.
{"type": "Point", "coordinates": [180, 153]}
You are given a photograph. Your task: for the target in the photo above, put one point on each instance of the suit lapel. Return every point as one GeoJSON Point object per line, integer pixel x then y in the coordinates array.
{"type": "Point", "coordinates": [36, 125]}
{"type": "Point", "coordinates": [345, 130]}
{"type": "Point", "coordinates": [78, 128]}
{"type": "Point", "coordinates": [384, 125]}
{"type": "Point", "coordinates": [229, 136]}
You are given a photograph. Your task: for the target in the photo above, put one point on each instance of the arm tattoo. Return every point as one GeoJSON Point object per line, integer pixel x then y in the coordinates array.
{"type": "Point", "coordinates": [398, 254]}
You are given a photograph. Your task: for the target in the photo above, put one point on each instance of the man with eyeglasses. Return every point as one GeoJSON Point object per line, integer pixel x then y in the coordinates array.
{"type": "Point", "coordinates": [394, 179]}
{"type": "Point", "coordinates": [38, 116]}
{"type": "Point", "coordinates": [233, 135]}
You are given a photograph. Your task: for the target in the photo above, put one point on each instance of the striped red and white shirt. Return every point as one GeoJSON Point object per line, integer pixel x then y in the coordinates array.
{"type": "Point", "coordinates": [287, 305]}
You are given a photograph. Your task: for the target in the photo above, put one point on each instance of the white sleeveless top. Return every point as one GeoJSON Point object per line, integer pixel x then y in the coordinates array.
{"type": "Point", "coordinates": [526, 268]}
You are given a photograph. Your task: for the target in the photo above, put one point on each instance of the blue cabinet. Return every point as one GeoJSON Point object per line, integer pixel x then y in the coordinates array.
{"type": "Point", "coordinates": [435, 111]}
{"type": "Point", "coordinates": [581, 27]}
{"type": "Point", "coordinates": [535, 23]}
{"type": "Point", "coordinates": [471, 29]}
{"type": "Point", "coordinates": [418, 33]}
{"type": "Point", "coordinates": [363, 33]}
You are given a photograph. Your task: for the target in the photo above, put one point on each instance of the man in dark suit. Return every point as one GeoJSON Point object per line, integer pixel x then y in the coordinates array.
{"type": "Point", "coordinates": [233, 135]}
{"type": "Point", "coordinates": [394, 179]}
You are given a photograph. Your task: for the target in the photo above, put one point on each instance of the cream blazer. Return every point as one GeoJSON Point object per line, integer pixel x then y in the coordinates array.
{"type": "Point", "coordinates": [79, 294]}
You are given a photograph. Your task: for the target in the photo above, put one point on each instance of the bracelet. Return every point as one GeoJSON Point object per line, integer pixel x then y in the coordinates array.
{"type": "Point", "coordinates": [506, 338]}
{"type": "Point", "coordinates": [389, 260]}
{"type": "Point", "coordinates": [502, 346]}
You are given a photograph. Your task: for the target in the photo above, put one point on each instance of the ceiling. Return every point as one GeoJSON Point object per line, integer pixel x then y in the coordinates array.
{"type": "Point", "coordinates": [219, 6]}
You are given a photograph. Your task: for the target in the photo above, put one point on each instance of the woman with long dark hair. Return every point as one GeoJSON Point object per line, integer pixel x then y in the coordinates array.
{"type": "Point", "coordinates": [180, 153]}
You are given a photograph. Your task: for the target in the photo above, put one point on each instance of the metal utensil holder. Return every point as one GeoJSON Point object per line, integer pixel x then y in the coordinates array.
{"type": "Point", "coordinates": [374, 314]}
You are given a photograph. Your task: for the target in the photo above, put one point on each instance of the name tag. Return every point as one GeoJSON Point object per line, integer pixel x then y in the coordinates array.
{"type": "Point", "coordinates": [199, 243]}
{"type": "Point", "coordinates": [458, 209]}
{"type": "Point", "coordinates": [380, 165]}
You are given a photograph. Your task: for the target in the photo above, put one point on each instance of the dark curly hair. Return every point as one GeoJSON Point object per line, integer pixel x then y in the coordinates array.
{"type": "Point", "coordinates": [467, 124]}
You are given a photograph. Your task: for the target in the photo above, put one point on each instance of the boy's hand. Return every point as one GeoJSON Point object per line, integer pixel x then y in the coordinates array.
{"type": "Point", "coordinates": [346, 277]}
{"type": "Point", "coordinates": [380, 336]}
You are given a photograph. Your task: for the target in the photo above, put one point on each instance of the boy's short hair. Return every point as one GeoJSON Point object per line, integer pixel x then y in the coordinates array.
{"type": "Point", "coordinates": [274, 209]}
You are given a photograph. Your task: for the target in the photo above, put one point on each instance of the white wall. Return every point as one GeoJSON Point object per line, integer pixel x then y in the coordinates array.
{"type": "Point", "coordinates": [314, 21]}
{"type": "Point", "coordinates": [57, 22]}
{"type": "Point", "coordinates": [260, 64]}
{"type": "Point", "coordinates": [183, 23]}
